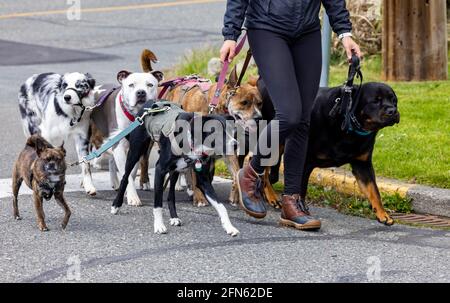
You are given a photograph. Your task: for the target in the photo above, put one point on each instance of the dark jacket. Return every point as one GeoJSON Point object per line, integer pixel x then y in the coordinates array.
{"type": "Point", "coordinates": [288, 17]}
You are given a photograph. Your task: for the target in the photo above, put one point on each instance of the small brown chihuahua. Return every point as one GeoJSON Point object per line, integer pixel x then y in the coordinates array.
{"type": "Point", "coordinates": [43, 168]}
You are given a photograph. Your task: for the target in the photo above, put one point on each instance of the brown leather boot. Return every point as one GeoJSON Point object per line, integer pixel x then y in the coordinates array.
{"type": "Point", "coordinates": [294, 213]}
{"type": "Point", "coordinates": [251, 192]}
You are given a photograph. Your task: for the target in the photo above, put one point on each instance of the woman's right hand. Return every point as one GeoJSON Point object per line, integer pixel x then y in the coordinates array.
{"type": "Point", "coordinates": [228, 50]}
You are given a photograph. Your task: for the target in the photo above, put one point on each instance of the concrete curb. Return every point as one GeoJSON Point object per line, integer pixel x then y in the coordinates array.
{"type": "Point", "coordinates": [425, 199]}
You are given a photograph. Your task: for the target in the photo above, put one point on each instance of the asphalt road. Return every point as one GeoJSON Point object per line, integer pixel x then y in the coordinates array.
{"type": "Point", "coordinates": [123, 248]}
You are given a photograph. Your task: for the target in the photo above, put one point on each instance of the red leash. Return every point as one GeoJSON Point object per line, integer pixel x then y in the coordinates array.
{"type": "Point", "coordinates": [222, 77]}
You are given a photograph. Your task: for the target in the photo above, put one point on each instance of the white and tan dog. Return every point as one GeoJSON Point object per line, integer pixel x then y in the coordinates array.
{"type": "Point", "coordinates": [53, 106]}
{"type": "Point", "coordinates": [117, 112]}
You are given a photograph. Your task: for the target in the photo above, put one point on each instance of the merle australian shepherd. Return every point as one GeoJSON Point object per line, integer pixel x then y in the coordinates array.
{"type": "Point", "coordinates": [53, 106]}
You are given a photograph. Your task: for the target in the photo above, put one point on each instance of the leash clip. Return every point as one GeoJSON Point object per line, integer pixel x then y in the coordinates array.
{"type": "Point", "coordinates": [212, 108]}
{"type": "Point", "coordinates": [83, 160]}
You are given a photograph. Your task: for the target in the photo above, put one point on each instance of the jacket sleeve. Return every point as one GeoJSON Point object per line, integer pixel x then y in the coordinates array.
{"type": "Point", "coordinates": [339, 16]}
{"type": "Point", "coordinates": [234, 18]}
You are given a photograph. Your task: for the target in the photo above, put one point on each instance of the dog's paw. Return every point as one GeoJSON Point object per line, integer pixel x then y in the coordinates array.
{"type": "Point", "coordinates": [385, 219]}
{"type": "Point", "coordinates": [160, 228]}
{"type": "Point", "coordinates": [175, 222]}
{"type": "Point", "coordinates": [146, 186]}
{"type": "Point", "coordinates": [43, 228]}
{"type": "Point", "coordinates": [201, 204]}
{"type": "Point", "coordinates": [115, 210]}
{"type": "Point", "coordinates": [90, 190]}
{"type": "Point", "coordinates": [17, 218]}
{"type": "Point", "coordinates": [233, 202]}
{"type": "Point", "coordinates": [134, 200]}
{"type": "Point", "coordinates": [190, 192]}
{"type": "Point", "coordinates": [158, 224]}
{"type": "Point", "coordinates": [115, 186]}
{"type": "Point", "coordinates": [231, 230]}
{"type": "Point", "coordinates": [179, 187]}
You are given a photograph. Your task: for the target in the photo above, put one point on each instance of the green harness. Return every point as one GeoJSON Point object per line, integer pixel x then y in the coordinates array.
{"type": "Point", "coordinates": [163, 113]}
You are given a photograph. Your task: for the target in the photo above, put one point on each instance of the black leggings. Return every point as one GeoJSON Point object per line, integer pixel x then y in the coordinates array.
{"type": "Point", "coordinates": [290, 69]}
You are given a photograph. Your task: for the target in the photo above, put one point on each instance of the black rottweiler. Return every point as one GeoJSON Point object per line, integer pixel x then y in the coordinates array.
{"type": "Point", "coordinates": [330, 146]}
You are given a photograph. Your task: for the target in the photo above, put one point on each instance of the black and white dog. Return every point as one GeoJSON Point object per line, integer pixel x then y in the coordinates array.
{"type": "Point", "coordinates": [189, 145]}
{"type": "Point", "coordinates": [53, 106]}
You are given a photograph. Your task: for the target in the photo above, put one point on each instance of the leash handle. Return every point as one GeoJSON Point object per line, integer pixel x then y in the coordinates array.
{"type": "Point", "coordinates": [222, 76]}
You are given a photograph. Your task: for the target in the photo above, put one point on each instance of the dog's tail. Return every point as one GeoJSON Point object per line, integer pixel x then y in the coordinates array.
{"type": "Point", "coordinates": [36, 141]}
{"type": "Point", "coordinates": [147, 57]}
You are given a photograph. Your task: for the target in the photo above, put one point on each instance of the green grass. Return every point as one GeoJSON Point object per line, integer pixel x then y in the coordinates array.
{"type": "Point", "coordinates": [417, 150]}
{"type": "Point", "coordinates": [350, 204]}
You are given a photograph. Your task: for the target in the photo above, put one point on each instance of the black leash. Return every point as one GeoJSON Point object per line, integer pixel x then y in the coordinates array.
{"type": "Point", "coordinates": [248, 57]}
{"type": "Point", "coordinates": [346, 105]}
{"type": "Point", "coordinates": [74, 121]}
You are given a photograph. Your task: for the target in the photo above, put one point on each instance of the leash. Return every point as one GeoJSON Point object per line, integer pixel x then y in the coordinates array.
{"type": "Point", "coordinates": [346, 105]}
{"type": "Point", "coordinates": [103, 99]}
{"type": "Point", "coordinates": [232, 92]}
{"type": "Point", "coordinates": [88, 108]}
{"type": "Point", "coordinates": [222, 76]}
{"type": "Point", "coordinates": [178, 81]}
{"type": "Point", "coordinates": [248, 57]}
{"type": "Point", "coordinates": [116, 139]}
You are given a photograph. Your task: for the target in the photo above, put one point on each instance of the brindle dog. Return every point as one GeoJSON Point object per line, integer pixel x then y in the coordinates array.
{"type": "Point", "coordinates": [43, 168]}
{"type": "Point", "coordinates": [243, 103]}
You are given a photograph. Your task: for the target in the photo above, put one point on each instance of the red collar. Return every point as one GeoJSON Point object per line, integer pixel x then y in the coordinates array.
{"type": "Point", "coordinates": [129, 115]}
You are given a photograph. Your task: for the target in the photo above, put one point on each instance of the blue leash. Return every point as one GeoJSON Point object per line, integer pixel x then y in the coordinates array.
{"type": "Point", "coordinates": [116, 139]}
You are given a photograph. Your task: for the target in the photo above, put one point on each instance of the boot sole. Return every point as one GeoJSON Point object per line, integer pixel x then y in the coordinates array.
{"type": "Point", "coordinates": [314, 225]}
{"type": "Point", "coordinates": [241, 201]}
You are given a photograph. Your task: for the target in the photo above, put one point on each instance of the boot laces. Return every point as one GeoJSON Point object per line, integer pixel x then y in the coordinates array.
{"type": "Point", "coordinates": [302, 206]}
{"type": "Point", "coordinates": [258, 189]}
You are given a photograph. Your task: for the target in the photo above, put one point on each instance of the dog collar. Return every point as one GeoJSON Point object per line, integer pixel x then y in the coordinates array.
{"type": "Point", "coordinates": [129, 115]}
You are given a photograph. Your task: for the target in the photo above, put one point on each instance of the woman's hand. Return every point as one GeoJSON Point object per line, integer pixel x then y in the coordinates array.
{"type": "Point", "coordinates": [228, 50]}
{"type": "Point", "coordinates": [351, 47]}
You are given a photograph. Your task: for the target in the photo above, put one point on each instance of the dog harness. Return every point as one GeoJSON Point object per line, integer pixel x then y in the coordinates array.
{"type": "Point", "coordinates": [162, 122]}
{"type": "Point", "coordinates": [156, 108]}
{"type": "Point", "coordinates": [345, 106]}
{"type": "Point", "coordinates": [188, 82]}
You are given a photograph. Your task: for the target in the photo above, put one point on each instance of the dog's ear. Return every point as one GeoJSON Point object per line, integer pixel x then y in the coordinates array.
{"type": "Point", "coordinates": [63, 150]}
{"type": "Point", "coordinates": [123, 74]}
{"type": "Point", "coordinates": [158, 75]}
{"type": "Point", "coordinates": [252, 80]}
{"type": "Point", "coordinates": [232, 81]}
{"type": "Point", "coordinates": [38, 143]}
{"type": "Point", "coordinates": [90, 80]}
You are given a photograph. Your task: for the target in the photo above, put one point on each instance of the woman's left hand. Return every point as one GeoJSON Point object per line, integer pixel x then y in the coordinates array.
{"type": "Point", "coordinates": [351, 47]}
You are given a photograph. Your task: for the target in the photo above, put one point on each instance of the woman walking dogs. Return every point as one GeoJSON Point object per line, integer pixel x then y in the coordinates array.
{"type": "Point", "coordinates": [285, 39]}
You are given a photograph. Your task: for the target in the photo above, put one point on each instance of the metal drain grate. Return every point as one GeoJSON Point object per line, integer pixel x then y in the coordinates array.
{"type": "Point", "coordinates": [427, 220]}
